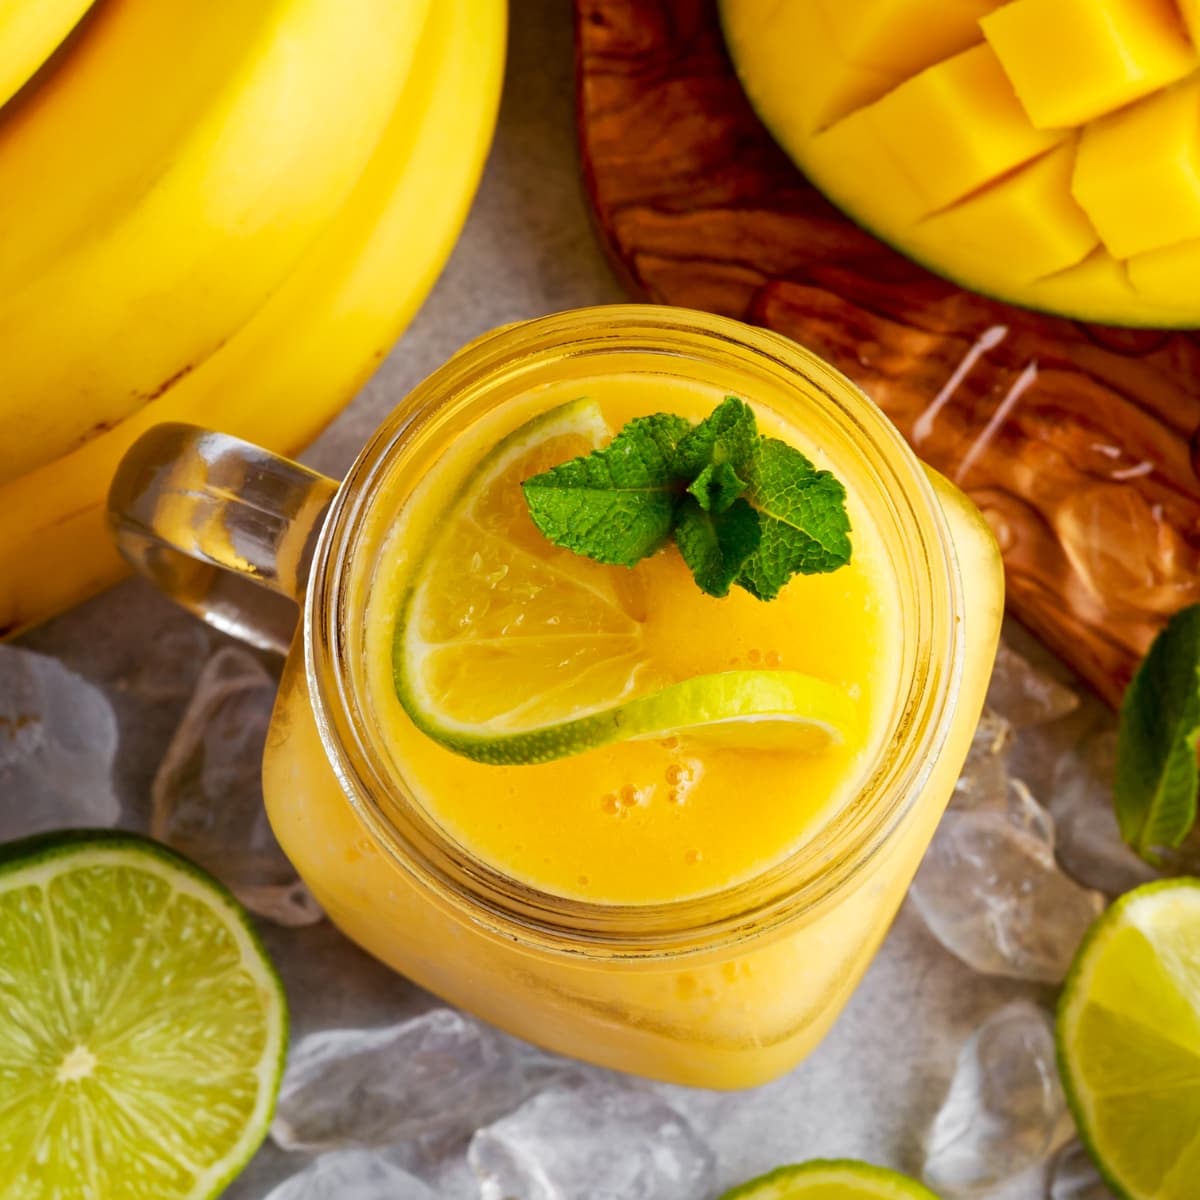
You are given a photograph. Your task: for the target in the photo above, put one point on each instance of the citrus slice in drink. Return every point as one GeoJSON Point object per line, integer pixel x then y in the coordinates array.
{"type": "Point", "coordinates": [831, 1179]}
{"type": "Point", "coordinates": [1129, 1041]}
{"type": "Point", "coordinates": [142, 1026]}
{"type": "Point", "coordinates": [509, 649]}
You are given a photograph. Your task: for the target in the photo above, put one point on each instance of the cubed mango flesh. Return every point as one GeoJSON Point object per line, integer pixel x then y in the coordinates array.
{"type": "Point", "coordinates": [903, 36]}
{"type": "Point", "coordinates": [1072, 61]}
{"type": "Point", "coordinates": [870, 181]}
{"type": "Point", "coordinates": [774, 43]}
{"type": "Point", "coordinates": [1168, 275]}
{"type": "Point", "coordinates": [1029, 217]}
{"type": "Point", "coordinates": [957, 126]}
{"type": "Point", "coordinates": [1137, 173]}
{"type": "Point", "coordinates": [1190, 10]}
{"type": "Point", "coordinates": [1045, 152]}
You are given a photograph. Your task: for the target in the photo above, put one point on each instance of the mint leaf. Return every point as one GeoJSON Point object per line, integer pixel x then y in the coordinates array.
{"type": "Point", "coordinates": [743, 509]}
{"type": "Point", "coordinates": [727, 435]}
{"type": "Point", "coordinates": [617, 504]}
{"type": "Point", "coordinates": [717, 487]}
{"type": "Point", "coordinates": [804, 525]}
{"type": "Point", "coordinates": [715, 544]}
{"type": "Point", "coordinates": [1156, 779]}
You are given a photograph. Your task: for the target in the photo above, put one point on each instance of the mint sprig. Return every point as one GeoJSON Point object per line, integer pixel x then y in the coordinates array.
{"type": "Point", "coordinates": [615, 505]}
{"type": "Point", "coordinates": [1156, 778]}
{"type": "Point", "coordinates": [744, 509]}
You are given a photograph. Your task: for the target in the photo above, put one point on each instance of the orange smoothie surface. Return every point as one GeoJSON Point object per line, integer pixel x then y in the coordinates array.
{"type": "Point", "coordinates": [652, 821]}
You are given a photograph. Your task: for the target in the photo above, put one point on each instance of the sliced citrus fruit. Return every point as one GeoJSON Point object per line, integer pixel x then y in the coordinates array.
{"type": "Point", "coordinates": [142, 1026]}
{"type": "Point", "coordinates": [831, 1179]}
{"type": "Point", "coordinates": [1129, 1041]}
{"type": "Point", "coordinates": [509, 649]}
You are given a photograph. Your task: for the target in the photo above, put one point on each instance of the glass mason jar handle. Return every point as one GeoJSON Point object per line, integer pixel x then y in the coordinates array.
{"type": "Point", "coordinates": [223, 527]}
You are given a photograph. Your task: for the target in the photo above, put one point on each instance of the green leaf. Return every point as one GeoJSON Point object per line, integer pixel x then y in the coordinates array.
{"type": "Point", "coordinates": [715, 544]}
{"type": "Point", "coordinates": [717, 487]}
{"type": "Point", "coordinates": [727, 435]}
{"type": "Point", "coordinates": [805, 528]}
{"type": "Point", "coordinates": [617, 504]}
{"type": "Point", "coordinates": [1156, 778]}
{"type": "Point", "coordinates": [660, 475]}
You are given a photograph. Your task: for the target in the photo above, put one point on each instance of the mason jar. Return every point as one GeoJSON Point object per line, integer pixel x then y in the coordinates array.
{"type": "Point", "coordinates": [724, 989]}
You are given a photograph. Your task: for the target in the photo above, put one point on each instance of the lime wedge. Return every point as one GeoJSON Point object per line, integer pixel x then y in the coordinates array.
{"type": "Point", "coordinates": [509, 649]}
{"type": "Point", "coordinates": [142, 1026]}
{"type": "Point", "coordinates": [831, 1179]}
{"type": "Point", "coordinates": [1129, 1041]}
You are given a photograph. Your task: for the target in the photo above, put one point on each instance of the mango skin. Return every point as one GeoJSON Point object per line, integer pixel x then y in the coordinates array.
{"type": "Point", "coordinates": [1027, 238]}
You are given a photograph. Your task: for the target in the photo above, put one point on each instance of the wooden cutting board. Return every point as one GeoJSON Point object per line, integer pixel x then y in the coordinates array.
{"type": "Point", "coordinates": [1081, 444]}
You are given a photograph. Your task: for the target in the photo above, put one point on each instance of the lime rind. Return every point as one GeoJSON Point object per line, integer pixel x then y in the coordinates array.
{"type": "Point", "coordinates": [767, 710]}
{"type": "Point", "coordinates": [818, 1178]}
{"type": "Point", "coordinates": [1133, 911]}
{"type": "Point", "coordinates": [757, 709]}
{"type": "Point", "coordinates": [45, 859]}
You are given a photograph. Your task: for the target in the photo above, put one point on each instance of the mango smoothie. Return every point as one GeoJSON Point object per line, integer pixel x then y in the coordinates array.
{"type": "Point", "coordinates": [685, 907]}
{"type": "Point", "coordinates": [640, 821]}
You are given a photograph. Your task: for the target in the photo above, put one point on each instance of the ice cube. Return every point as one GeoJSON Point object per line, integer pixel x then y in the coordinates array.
{"type": "Point", "coordinates": [352, 1175]}
{"type": "Point", "coordinates": [1073, 1176]}
{"type": "Point", "coordinates": [1025, 695]}
{"type": "Point", "coordinates": [207, 792]}
{"type": "Point", "coordinates": [1004, 1111]}
{"type": "Point", "coordinates": [426, 1084]}
{"type": "Point", "coordinates": [171, 663]}
{"type": "Point", "coordinates": [992, 894]}
{"type": "Point", "coordinates": [1088, 842]}
{"type": "Point", "coordinates": [987, 785]}
{"type": "Point", "coordinates": [1008, 797]}
{"type": "Point", "coordinates": [58, 739]}
{"type": "Point", "coordinates": [985, 773]}
{"type": "Point", "coordinates": [592, 1140]}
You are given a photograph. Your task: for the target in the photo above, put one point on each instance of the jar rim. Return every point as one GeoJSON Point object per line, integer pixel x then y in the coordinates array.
{"type": "Point", "coordinates": [804, 880]}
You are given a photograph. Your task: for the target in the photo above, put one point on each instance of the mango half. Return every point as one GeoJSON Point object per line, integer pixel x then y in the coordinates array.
{"type": "Point", "coordinates": [1045, 152]}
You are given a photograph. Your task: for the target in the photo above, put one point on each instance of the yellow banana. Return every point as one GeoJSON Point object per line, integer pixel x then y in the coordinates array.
{"type": "Point", "coordinates": [161, 180]}
{"type": "Point", "coordinates": [316, 340]}
{"type": "Point", "coordinates": [30, 31]}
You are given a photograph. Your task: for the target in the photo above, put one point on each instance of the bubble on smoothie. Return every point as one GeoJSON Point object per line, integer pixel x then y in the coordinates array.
{"type": "Point", "coordinates": [1073, 1176]}
{"type": "Point", "coordinates": [207, 793]}
{"type": "Point", "coordinates": [991, 892]}
{"type": "Point", "coordinates": [58, 740]}
{"type": "Point", "coordinates": [422, 1086]}
{"type": "Point", "coordinates": [593, 1140]}
{"type": "Point", "coordinates": [1004, 1111]}
{"type": "Point", "coordinates": [1026, 695]}
{"type": "Point", "coordinates": [1089, 845]}
{"type": "Point", "coordinates": [681, 777]}
{"type": "Point", "coordinates": [352, 1175]}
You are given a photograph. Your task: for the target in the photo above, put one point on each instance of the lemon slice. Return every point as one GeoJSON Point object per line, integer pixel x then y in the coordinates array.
{"type": "Point", "coordinates": [509, 649]}
{"type": "Point", "coordinates": [142, 1026]}
{"type": "Point", "coordinates": [831, 1179]}
{"type": "Point", "coordinates": [1129, 1041]}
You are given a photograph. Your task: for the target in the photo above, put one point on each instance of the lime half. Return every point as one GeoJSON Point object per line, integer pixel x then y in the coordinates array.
{"type": "Point", "coordinates": [1129, 1041]}
{"type": "Point", "coordinates": [142, 1026]}
{"type": "Point", "coordinates": [831, 1179]}
{"type": "Point", "coordinates": [509, 649]}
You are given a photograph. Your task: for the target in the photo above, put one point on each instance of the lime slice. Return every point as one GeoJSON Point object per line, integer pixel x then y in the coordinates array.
{"type": "Point", "coordinates": [831, 1179]}
{"type": "Point", "coordinates": [1129, 1041]}
{"type": "Point", "coordinates": [142, 1026]}
{"type": "Point", "coordinates": [509, 649]}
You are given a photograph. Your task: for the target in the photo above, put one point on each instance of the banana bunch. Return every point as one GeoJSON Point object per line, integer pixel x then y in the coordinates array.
{"type": "Point", "coordinates": [219, 212]}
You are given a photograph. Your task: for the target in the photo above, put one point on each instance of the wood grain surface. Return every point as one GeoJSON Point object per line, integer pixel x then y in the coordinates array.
{"type": "Point", "coordinates": [1081, 444]}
